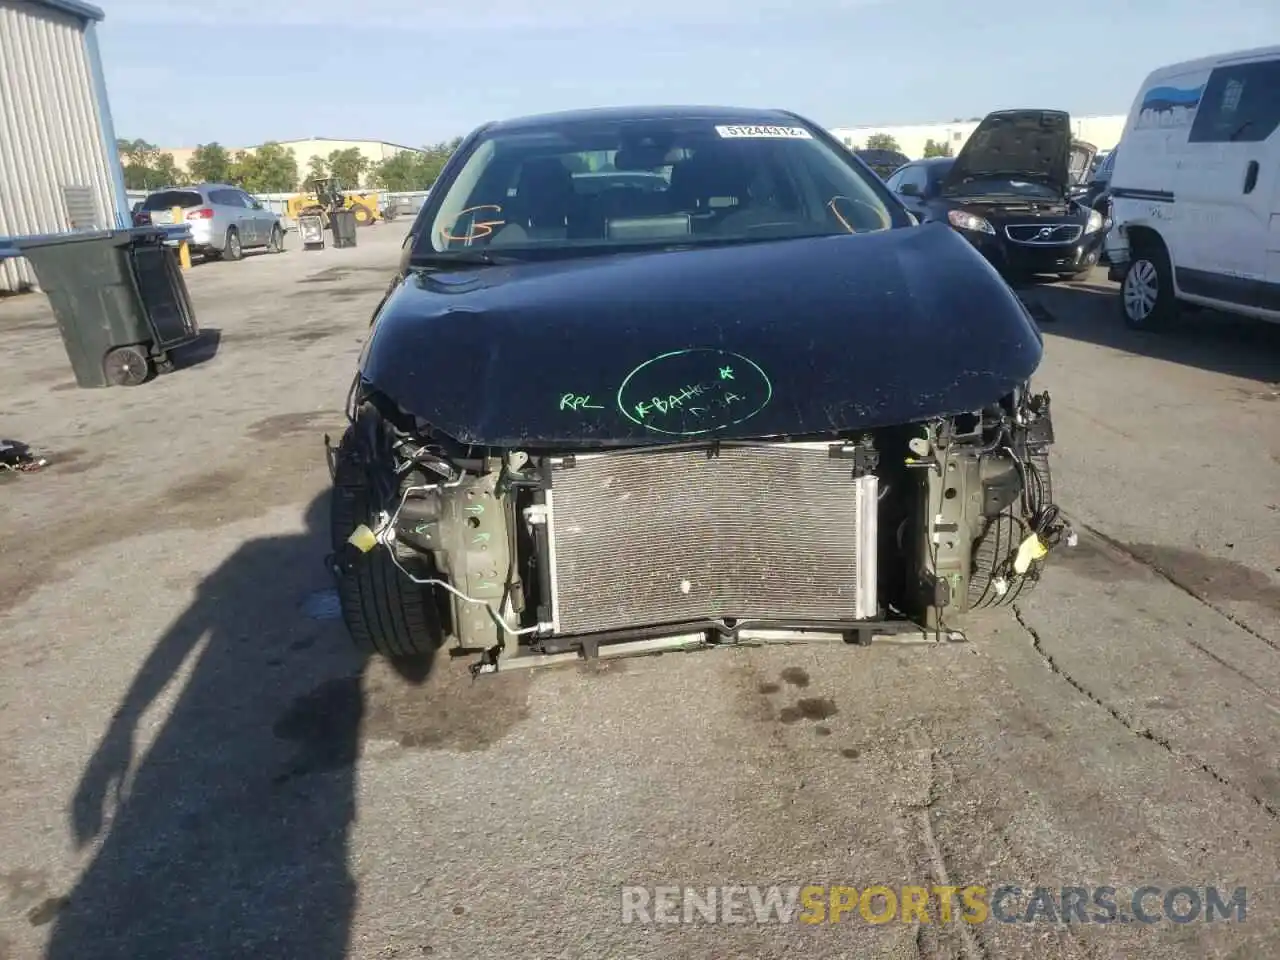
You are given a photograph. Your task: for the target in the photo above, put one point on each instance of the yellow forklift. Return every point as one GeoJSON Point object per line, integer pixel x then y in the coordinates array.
{"type": "Point", "coordinates": [327, 193]}
{"type": "Point", "coordinates": [320, 213]}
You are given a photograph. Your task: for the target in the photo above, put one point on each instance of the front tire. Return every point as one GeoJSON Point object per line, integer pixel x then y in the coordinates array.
{"type": "Point", "coordinates": [1147, 300]}
{"type": "Point", "coordinates": [363, 215]}
{"type": "Point", "coordinates": [386, 613]}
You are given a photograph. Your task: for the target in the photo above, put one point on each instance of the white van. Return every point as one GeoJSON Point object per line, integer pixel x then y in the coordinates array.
{"type": "Point", "coordinates": [1196, 190]}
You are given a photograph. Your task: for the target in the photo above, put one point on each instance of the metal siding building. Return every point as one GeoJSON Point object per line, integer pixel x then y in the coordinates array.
{"type": "Point", "coordinates": [59, 166]}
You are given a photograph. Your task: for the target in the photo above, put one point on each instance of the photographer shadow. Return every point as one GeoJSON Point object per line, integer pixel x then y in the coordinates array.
{"type": "Point", "coordinates": [227, 835]}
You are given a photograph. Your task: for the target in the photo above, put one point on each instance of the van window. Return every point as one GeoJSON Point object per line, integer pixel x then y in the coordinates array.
{"type": "Point", "coordinates": [1241, 104]}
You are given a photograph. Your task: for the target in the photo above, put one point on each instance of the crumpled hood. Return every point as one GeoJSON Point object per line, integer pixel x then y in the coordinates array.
{"type": "Point", "coordinates": [785, 338]}
{"type": "Point", "coordinates": [1034, 145]}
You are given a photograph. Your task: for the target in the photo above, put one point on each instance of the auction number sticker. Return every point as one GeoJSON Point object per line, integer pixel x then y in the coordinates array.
{"type": "Point", "coordinates": [737, 131]}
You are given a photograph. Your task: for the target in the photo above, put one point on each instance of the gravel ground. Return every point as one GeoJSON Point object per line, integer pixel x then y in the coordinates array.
{"type": "Point", "coordinates": [193, 763]}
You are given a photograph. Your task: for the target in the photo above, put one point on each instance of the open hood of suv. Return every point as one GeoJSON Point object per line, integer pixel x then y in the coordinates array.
{"type": "Point", "coordinates": [1033, 145]}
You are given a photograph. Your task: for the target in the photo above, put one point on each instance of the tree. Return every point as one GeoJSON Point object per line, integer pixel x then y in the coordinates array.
{"type": "Point", "coordinates": [317, 169]}
{"type": "Point", "coordinates": [349, 166]}
{"type": "Point", "coordinates": [414, 169]}
{"type": "Point", "coordinates": [882, 141]}
{"type": "Point", "coordinates": [137, 157]}
{"type": "Point", "coordinates": [935, 148]}
{"type": "Point", "coordinates": [269, 168]}
{"type": "Point", "coordinates": [436, 157]}
{"type": "Point", "coordinates": [145, 167]}
{"type": "Point", "coordinates": [210, 163]}
{"type": "Point", "coordinates": [400, 173]}
{"type": "Point", "coordinates": [168, 173]}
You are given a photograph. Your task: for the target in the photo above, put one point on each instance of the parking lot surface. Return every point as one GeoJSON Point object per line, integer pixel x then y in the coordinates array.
{"type": "Point", "coordinates": [193, 763]}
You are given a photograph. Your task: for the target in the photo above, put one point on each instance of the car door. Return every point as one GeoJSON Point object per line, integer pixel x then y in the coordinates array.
{"type": "Point", "coordinates": [1228, 248]}
{"type": "Point", "coordinates": [263, 219]}
{"type": "Point", "coordinates": [236, 214]}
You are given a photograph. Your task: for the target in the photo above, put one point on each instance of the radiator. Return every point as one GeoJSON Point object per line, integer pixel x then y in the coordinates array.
{"type": "Point", "coordinates": [780, 532]}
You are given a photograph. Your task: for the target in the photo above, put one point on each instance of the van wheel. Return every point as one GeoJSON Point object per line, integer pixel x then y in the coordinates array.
{"type": "Point", "coordinates": [1146, 293]}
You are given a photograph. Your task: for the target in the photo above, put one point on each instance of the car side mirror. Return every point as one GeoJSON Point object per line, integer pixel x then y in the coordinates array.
{"type": "Point", "coordinates": [909, 190]}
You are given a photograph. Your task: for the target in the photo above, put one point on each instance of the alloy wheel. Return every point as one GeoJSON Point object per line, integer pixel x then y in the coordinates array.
{"type": "Point", "coordinates": [1141, 290]}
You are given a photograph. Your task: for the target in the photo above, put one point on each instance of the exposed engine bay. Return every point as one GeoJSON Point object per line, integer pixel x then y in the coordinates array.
{"type": "Point", "coordinates": [510, 554]}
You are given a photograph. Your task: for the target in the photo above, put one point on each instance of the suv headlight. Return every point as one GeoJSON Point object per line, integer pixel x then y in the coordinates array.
{"type": "Point", "coordinates": [968, 221]}
{"type": "Point", "coordinates": [1095, 222]}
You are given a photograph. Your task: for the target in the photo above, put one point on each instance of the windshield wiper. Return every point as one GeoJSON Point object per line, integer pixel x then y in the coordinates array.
{"type": "Point", "coordinates": [464, 258]}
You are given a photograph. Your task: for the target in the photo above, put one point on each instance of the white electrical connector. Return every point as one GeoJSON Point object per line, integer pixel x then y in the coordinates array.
{"type": "Point", "coordinates": [1001, 586]}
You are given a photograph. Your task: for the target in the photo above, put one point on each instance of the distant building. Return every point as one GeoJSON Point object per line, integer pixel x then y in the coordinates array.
{"type": "Point", "coordinates": [1102, 132]}
{"type": "Point", "coordinates": [303, 150]}
{"type": "Point", "coordinates": [60, 169]}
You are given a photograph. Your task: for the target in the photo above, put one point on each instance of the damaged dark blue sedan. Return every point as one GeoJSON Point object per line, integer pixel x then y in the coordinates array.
{"type": "Point", "coordinates": [659, 376]}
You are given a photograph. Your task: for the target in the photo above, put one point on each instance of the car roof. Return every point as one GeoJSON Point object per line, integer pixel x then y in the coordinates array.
{"type": "Point", "coordinates": [1229, 58]}
{"type": "Point", "coordinates": [196, 187]}
{"type": "Point", "coordinates": [622, 114]}
{"type": "Point", "coordinates": [935, 161]}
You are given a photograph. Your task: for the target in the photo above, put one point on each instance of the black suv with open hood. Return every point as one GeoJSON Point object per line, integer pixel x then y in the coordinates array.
{"type": "Point", "coordinates": [683, 372]}
{"type": "Point", "coordinates": [1009, 193]}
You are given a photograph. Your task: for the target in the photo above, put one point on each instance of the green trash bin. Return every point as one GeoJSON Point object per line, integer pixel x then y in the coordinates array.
{"type": "Point", "coordinates": [120, 299]}
{"type": "Point", "coordinates": [343, 224]}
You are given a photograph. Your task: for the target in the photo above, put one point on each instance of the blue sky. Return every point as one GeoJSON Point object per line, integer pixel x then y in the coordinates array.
{"type": "Point", "coordinates": [419, 71]}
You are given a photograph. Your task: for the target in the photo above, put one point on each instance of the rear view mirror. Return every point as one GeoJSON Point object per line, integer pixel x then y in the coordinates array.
{"type": "Point", "coordinates": [909, 189]}
{"type": "Point", "coordinates": [640, 158]}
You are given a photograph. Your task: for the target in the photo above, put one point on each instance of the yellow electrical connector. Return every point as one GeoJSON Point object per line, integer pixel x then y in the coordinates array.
{"type": "Point", "coordinates": [363, 539]}
{"type": "Point", "coordinates": [1030, 550]}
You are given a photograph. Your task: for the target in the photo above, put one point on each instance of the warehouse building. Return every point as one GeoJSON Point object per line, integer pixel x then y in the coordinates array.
{"type": "Point", "coordinates": [59, 166]}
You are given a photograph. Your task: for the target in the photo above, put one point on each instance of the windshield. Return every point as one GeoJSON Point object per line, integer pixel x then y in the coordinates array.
{"type": "Point", "coordinates": [583, 186]}
{"type": "Point", "coordinates": [1006, 187]}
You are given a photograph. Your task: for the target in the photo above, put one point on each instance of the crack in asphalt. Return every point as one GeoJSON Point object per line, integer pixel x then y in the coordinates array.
{"type": "Point", "coordinates": [971, 941]}
{"type": "Point", "coordinates": [1194, 644]}
{"type": "Point", "coordinates": [1137, 729]}
{"type": "Point", "coordinates": [1171, 579]}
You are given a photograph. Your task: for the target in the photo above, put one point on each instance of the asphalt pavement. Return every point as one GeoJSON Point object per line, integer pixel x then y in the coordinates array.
{"type": "Point", "coordinates": [194, 764]}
